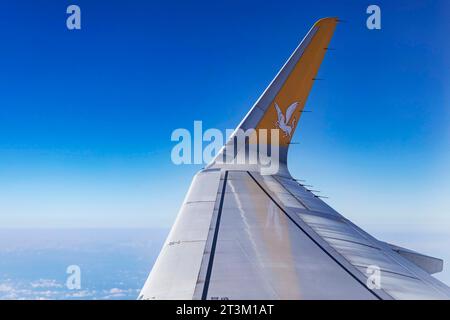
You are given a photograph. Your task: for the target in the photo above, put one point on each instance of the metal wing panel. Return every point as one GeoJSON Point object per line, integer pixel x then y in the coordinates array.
{"type": "Point", "coordinates": [307, 198]}
{"type": "Point", "coordinates": [427, 263]}
{"type": "Point", "coordinates": [259, 253]}
{"type": "Point", "coordinates": [175, 273]}
{"type": "Point", "coordinates": [400, 278]}
{"type": "Point", "coordinates": [240, 235]}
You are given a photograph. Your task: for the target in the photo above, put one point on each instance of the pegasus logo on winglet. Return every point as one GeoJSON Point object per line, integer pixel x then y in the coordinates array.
{"type": "Point", "coordinates": [283, 121]}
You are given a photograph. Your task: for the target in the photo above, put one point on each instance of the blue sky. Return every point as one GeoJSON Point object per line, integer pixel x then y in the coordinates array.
{"type": "Point", "coordinates": [86, 116]}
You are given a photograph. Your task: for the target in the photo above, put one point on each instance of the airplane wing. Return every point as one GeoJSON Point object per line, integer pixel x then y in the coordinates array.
{"type": "Point", "coordinates": [242, 234]}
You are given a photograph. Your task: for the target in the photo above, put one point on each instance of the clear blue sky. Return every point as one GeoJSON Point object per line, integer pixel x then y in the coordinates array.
{"type": "Point", "coordinates": [86, 116]}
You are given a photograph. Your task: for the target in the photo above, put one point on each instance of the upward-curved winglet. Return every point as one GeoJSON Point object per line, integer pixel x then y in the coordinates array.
{"type": "Point", "coordinates": [291, 85]}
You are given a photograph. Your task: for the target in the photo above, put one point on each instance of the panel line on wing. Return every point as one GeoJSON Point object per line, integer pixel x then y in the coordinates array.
{"type": "Point", "coordinates": [312, 239]}
{"type": "Point", "coordinates": [214, 242]}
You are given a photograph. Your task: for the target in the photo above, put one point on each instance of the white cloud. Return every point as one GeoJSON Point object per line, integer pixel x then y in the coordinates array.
{"type": "Point", "coordinates": [115, 293]}
{"type": "Point", "coordinates": [38, 290]}
{"type": "Point", "coordinates": [5, 288]}
{"type": "Point", "coordinates": [45, 289]}
{"type": "Point", "coordinates": [10, 291]}
{"type": "Point", "coordinates": [46, 283]}
{"type": "Point", "coordinates": [81, 294]}
{"type": "Point", "coordinates": [116, 290]}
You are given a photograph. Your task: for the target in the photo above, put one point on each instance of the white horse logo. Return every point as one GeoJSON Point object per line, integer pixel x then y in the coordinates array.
{"type": "Point", "coordinates": [283, 121]}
